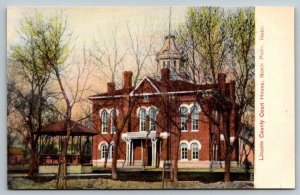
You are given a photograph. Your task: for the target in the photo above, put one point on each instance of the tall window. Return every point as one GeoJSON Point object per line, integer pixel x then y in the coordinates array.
{"type": "Point", "coordinates": [142, 117]}
{"type": "Point", "coordinates": [152, 114]}
{"type": "Point", "coordinates": [183, 118]}
{"type": "Point", "coordinates": [195, 151]}
{"type": "Point", "coordinates": [113, 116]}
{"type": "Point", "coordinates": [195, 117]}
{"type": "Point", "coordinates": [174, 65]}
{"type": "Point", "coordinates": [184, 149]}
{"type": "Point", "coordinates": [111, 151]}
{"type": "Point", "coordinates": [103, 151]}
{"type": "Point", "coordinates": [104, 121]}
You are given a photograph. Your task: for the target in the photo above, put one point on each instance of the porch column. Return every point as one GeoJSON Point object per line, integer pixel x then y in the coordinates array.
{"type": "Point", "coordinates": [142, 153]}
{"type": "Point", "coordinates": [128, 151]}
{"type": "Point", "coordinates": [153, 140]}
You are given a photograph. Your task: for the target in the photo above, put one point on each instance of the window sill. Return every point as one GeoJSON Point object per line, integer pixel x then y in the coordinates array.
{"type": "Point", "coordinates": [103, 159]}
{"type": "Point", "coordinates": [183, 160]}
{"type": "Point", "coordinates": [104, 132]}
{"type": "Point", "coordinates": [195, 130]}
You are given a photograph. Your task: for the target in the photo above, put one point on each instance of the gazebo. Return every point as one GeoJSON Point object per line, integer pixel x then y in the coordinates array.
{"type": "Point", "coordinates": [79, 152]}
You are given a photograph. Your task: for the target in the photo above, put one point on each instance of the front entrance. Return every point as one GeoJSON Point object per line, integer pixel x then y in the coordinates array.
{"type": "Point", "coordinates": [149, 160]}
{"type": "Point", "coordinates": [141, 148]}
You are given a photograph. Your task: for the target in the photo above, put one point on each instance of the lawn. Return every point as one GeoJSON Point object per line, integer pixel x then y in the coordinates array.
{"type": "Point", "coordinates": [23, 183]}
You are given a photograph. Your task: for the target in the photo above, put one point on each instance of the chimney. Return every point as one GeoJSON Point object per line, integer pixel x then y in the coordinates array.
{"type": "Point", "coordinates": [127, 80]}
{"type": "Point", "coordinates": [111, 87]}
{"type": "Point", "coordinates": [165, 75]}
{"type": "Point", "coordinates": [232, 89]}
{"type": "Point", "coordinates": [222, 82]}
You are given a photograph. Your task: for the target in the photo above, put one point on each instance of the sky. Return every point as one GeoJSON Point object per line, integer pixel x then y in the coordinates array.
{"type": "Point", "coordinates": [94, 27]}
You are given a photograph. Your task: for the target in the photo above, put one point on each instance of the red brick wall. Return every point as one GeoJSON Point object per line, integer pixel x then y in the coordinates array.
{"type": "Point", "coordinates": [202, 135]}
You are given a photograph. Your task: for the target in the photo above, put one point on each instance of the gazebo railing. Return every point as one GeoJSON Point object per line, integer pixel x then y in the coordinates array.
{"type": "Point", "coordinates": [52, 159]}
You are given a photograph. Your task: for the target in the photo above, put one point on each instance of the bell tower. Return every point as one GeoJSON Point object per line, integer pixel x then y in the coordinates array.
{"type": "Point", "coordinates": [170, 57]}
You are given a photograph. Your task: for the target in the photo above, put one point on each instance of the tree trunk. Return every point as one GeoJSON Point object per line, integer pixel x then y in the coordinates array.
{"type": "Point", "coordinates": [227, 166]}
{"type": "Point", "coordinates": [33, 162]}
{"type": "Point", "coordinates": [62, 163]}
{"type": "Point", "coordinates": [61, 182]}
{"type": "Point", "coordinates": [114, 170]}
{"type": "Point", "coordinates": [175, 170]}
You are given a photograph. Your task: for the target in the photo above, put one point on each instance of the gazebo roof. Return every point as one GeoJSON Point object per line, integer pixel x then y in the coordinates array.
{"type": "Point", "coordinates": [59, 128]}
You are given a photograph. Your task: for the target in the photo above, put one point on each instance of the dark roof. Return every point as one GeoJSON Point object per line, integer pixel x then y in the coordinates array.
{"type": "Point", "coordinates": [116, 92]}
{"type": "Point", "coordinates": [179, 85]}
{"type": "Point", "coordinates": [170, 86]}
{"type": "Point", "coordinates": [59, 128]}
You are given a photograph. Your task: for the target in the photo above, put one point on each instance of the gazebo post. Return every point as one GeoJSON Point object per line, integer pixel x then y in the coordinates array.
{"type": "Point", "coordinates": [52, 149]}
{"type": "Point", "coordinates": [80, 153]}
{"type": "Point", "coordinates": [92, 151]}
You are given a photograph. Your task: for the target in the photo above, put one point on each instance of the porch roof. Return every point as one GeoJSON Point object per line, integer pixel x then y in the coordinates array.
{"type": "Point", "coordinates": [140, 135]}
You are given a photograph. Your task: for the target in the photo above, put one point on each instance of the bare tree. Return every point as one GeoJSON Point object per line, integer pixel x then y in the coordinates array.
{"type": "Point", "coordinates": [141, 48]}
{"type": "Point", "coordinates": [109, 57]}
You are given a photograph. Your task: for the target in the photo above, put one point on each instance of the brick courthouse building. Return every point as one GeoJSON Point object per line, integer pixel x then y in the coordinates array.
{"type": "Point", "coordinates": [160, 118]}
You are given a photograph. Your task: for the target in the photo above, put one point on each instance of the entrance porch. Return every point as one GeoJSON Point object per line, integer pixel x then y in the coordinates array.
{"type": "Point", "coordinates": [142, 149]}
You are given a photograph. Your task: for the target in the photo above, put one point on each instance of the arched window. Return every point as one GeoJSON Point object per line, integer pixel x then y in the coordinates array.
{"type": "Point", "coordinates": [104, 121]}
{"type": "Point", "coordinates": [142, 118]}
{"type": "Point", "coordinates": [152, 115]}
{"type": "Point", "coordinates": [113, 115]}
{"type": "Point", "coordinates": [195, 117]}
{"type": "Point", "coordinates": [111, 150]}
{"type": "Point", "coordinates": [103, 151]}
{"type": "Point", "coordinates": [183, 118]}
{"type": "Point", "coordinates": [184, 148]}
{"type": "Point", "coordinates": [195, 151]}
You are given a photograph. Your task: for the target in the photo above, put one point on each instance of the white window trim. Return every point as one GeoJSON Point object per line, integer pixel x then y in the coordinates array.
{"type": "Point", "coordinates": [102, 126]}
{"type": "Point", "coordinates": [112, 121]}
{"type": "Point", "coordinates": [186, 119]}
{"type": "Point", "coordinates": [198, 114]}
{"type": "Point", "coordinates": [187, 151]}
{"type": "Point", "coordinates": [101, 152]}
{"type": "Point", "coordinates": [155, 116]}
{"type": "Point", "coordinates": [140, 119]}
{"type": "Point", "coordinates": [197, 151]}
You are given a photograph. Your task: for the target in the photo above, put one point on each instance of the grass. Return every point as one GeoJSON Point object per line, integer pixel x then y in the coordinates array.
{"type": "Point", "coordinates": [22, 183]}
